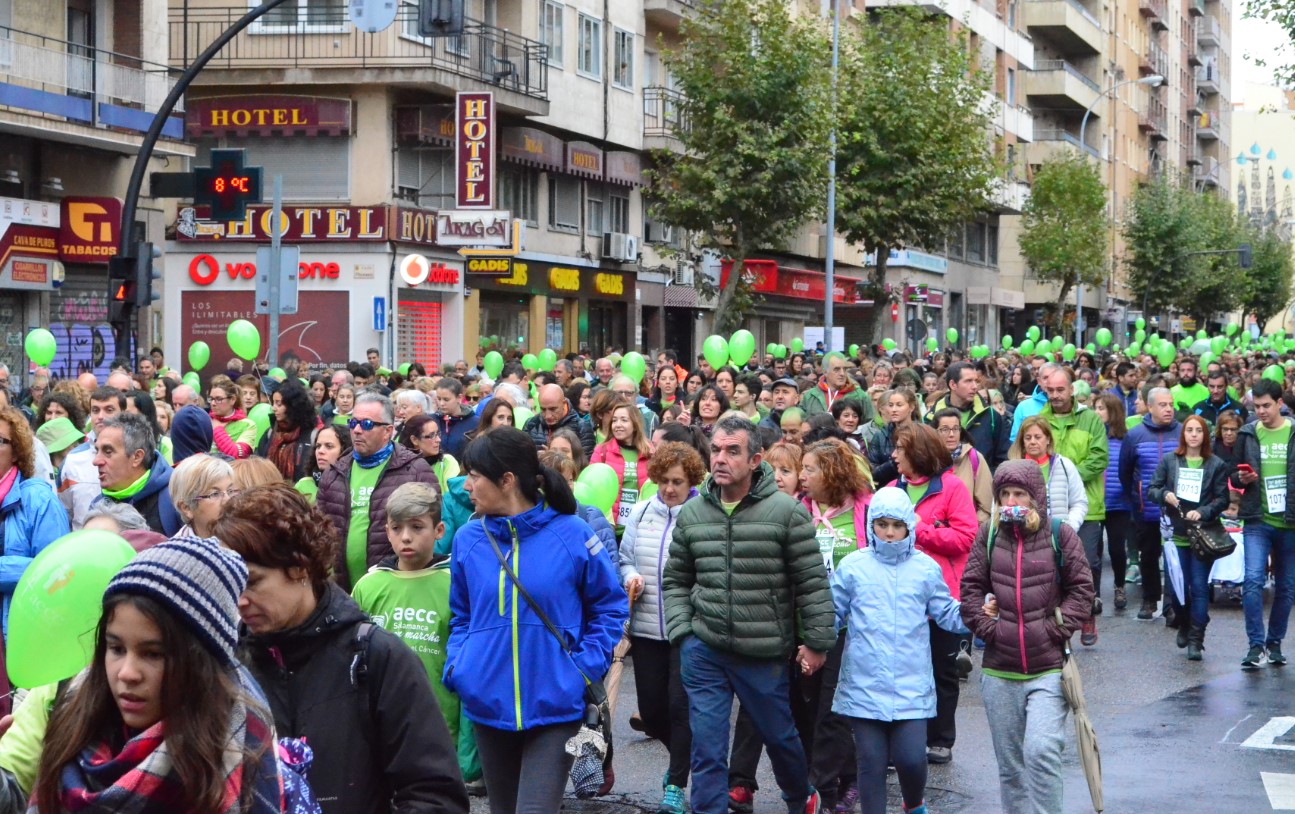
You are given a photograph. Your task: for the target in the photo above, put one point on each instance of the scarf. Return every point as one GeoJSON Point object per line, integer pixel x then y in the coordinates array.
{"type": "Point", "coordinates": [7, 482]}
{"type": "Point", "coordinates": [282, 452]}
{"type": "Point", "coordinates": [130, 491]}
{"type": "Point", "coordinates": [237, 415]}
{"type": "Point", "coordinates": [376, 459]}
{"type": "Point", "coordinates": [140, 776]}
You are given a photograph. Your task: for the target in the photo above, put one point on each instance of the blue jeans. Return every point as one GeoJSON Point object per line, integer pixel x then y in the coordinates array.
{"type": "Point", "coordinates": [1196, 584]}
{"type": "Point", "coordinates": [711, 678]}
{"type": "Point", "coordinates": [1261, 540]}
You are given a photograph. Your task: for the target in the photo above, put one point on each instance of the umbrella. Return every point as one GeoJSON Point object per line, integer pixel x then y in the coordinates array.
{"type": "Point", "coordinates": [1090, 756]}
{"type": "Point", "coordinates": [618, 664]}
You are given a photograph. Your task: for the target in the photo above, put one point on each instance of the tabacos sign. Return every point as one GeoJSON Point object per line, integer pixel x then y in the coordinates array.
{"type": "Point", "coordinates": [205, 270]}
{"type": "Point", "coordinates": [89, 229]}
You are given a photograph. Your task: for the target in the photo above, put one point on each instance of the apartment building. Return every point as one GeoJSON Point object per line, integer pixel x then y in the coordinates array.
{"type": "Point", "coordinates": [80, 81]}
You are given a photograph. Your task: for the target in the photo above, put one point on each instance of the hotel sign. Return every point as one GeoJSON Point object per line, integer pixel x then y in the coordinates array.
{"type": "Point", "coordinates": [474, 151]}
{"type": "Point", "coordinates": [473, 228]}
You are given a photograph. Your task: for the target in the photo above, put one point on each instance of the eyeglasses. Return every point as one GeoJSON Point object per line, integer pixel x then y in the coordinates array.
{"type": "Point", "coordinates": [948, 430]}
{"type": "Point", "coordinates": [218, 399]}
{"type": "Point", "coordinates": [366, 424]}
{"type": "Point", "coordinates": [228, 494]}
{"type": "Point", "coordinates": [431, 437]}
{"type": "Point", "coordinates": [629, 394]}
{"type": "Point", "coordinates": [5, 442]}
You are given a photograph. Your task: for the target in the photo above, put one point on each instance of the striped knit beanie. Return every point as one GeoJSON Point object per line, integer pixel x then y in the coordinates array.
{"type": "Point", "coordinates": [198, 581]}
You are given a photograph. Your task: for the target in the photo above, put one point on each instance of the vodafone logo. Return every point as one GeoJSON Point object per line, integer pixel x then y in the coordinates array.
{"type": "Point", "coordinates": [416, 269]}
{"type": "Point", "coordinates": [204, 270]}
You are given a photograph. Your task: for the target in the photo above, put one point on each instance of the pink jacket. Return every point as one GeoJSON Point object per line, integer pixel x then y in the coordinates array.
{"type": "Point", "coordinates": [861, 502]}
{"type": "Point", "coordinates": [946, 526]}
{"type": "Point", "coordinates": [609, 452]}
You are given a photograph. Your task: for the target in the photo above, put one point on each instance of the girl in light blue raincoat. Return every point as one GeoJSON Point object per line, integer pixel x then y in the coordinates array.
{"type": "Point", "coordinates": [884, 594]}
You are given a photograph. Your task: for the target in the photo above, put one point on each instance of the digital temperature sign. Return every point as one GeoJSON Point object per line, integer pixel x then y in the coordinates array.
{"type": "Point", "coordinates": [227, 186]}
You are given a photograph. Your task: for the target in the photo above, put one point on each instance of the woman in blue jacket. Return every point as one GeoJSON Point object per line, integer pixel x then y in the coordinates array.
{"type": "Point", "coordinates": [523, 693]}
{"type": "Point", "coordinates": [1119, 514]}
{"type": "Point", "coordinates": [884, 595]}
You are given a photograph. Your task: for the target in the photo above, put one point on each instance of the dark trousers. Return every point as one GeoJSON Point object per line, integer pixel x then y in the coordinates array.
{"type": "Point", "coordinates": [832, 757]}
{"type": "Point", "coordinates": [747, 744]}
{"type": "Point", "coordinates": [1149, 550]}
{"type": "Point", "coordinates": [898, 742]}
{"type": "Point", "coordinates": [663, 704]}
{"type": "Point", "coordinates": [533, 759]}
{"type": "Point", "coordinates": [942, 729]}
{"type": "Point", "coordinates": [1117, 525]}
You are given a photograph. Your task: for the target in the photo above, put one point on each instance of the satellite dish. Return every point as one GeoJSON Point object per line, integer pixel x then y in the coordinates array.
{"type": "Point", "coordinates": [372, 16]}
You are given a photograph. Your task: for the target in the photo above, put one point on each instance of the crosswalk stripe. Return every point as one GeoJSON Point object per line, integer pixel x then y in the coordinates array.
{"type": "Point", "coordinates": [1264, 736]}
{"type": "Point", "coordinates": [1281, 790]}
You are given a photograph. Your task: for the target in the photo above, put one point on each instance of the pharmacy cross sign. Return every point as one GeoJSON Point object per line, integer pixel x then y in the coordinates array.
{"type": "Point", "coordinates": [227, 186]}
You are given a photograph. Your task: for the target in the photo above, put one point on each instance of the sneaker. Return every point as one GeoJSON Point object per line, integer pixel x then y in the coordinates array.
{"type": "Point", "coordinates": [1134, 574]}
{"type": "Point", "coordinates": [476, 788]}
{"type": "Point", "coordinates": [741, 800]}
{"type": "Point", "coordinates": [814, 805]}
{"type": "Point", "coordinates": [1275, 657]}
{"type": "Point", "coordinates": [1147, 610]}
{"type": "Point", "coordinates": [1097, 606]}
{"type": "Point", "coordinates": [848, 800]}
{"type": "Point", "coordinates": [671, 801]}
{"type": "Point", "coordinates": [919, 810]}
{"type": "Point", "coordinates": [636, 722]}
{"type": "Point", "coordinates": [1088, 633]}
{"type": "Point", "coordinates": [1121, 599]}
{"type": "Point", "coordinates": [1254, 658]}
{"type": "Point", "coordinates": [938, 754]}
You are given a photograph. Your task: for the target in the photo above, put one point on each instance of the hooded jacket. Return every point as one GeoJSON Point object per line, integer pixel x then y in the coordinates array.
{"type": "Point", "coordinates": [1025, 639]}
{"type": "Point", "coordinates": [1031, 406]}
{"type": "Point", "coordinates": [381, 745]}
{"type": "Point", "coordinates": [191, 433]}
{"type": "Point", "coordinates": [540, 432]}
{"type": "Point", "coordinates": [741, 582]}
{"type": "Point", "coordinates": [1080, 435]}
{"type": "Point", "coordinates": [32, 518]}
{"type": "Point", "coordinates": [154, 500]}
{"type": "Point", "coordinates": [1066, 496]}
{"type": "Point", "coordinates": [456, 510]}
{"type": "Point", "coordinates": [987, 429]}
{"type": "Point", "coordinates": [1140, 454]}
{"type": "Point", "coordinates": [645, 548]}
{"type": "Point", "coordinates": [1246, 451]}
{"type": "Point", "coordinates": [509, 671]}
{"type": "Point", "coordinates": [454, 430]}
{"type": "Point", "coordinates": [883, 595]}
{"type": "Point", "coordinates": [815, 400]}
{"type": "Point", "coordinates": [947, 526]}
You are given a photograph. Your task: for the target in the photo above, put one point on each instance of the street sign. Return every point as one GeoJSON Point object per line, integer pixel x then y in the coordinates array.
{"type": "Point", "coordinates": [379, 313]}
{"type": "Point", "coordinates": [508, 251]}
{"type": "Point", "coordinates": [289, 265]}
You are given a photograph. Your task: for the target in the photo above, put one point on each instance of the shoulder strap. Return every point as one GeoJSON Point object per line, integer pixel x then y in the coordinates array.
{"type": "Point", "coordinates": [1056, 546]}
{"type": "Point", "coordinates": [360, 654]}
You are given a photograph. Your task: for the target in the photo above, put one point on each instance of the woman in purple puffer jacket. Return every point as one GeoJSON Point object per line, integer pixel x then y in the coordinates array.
{"type": "Point", "coordinates": [1119, 514]}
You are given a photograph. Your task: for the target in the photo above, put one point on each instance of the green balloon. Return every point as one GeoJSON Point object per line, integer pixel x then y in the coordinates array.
{"type": "Point", "coordinates": [520, 416]}
{"type": "Point", "coordinates": [1217, 344]}
{"type": "Point", "coordinates": [199, 355]}
{"type": "Point", "coordinates": [54, 614]}
{"type": "Point", "coordinates": [261, 415]}
{"type": "Point", "coordinates": [1202, 334]}
{"type": "Point", "coordinates": [715, 349]}
{"type": "Point", "coordinates": [1103, 337]}
{"type": "Point", "coordinates": [1206, 358]}
{"type": "Point", "coordinates": [634, 366]}
{"type": "Point", "coordinates": [277, 373]}
{"type": "Point", "coordinates": [244, 339]}
{"type": "Point", "coordinates": [1139, 335]}
{"type": "Point", "coordinates": [531, 362]}
{"type": "Point", "coordinates": [583, 493]}
{"type": "Point", "coordinates": [1032, 333]}
{"type": "Point", "coordinates": [1090, 347]}
{"type": "Point", "coordinates": [854, 351]}
{"type": "Point", "coordinates": [493, 364]}
{"type": "Point", "coordinates": [780, 351]}
{"type": "Point", "coordinates": [40, 347]}
{"type": "Point", "coordinates": [1232, 329]}
{"type": "Point", "coordinates": [1027, 347]}
{"type": "Point", "coordinates": [797, 344]}
{"type": "Point", "coordinates": [952, 336]}
{"type": "Point", "coordinates": [1134, 349]}
{"type": "Point", "coordinates": [403, 369]}
{"type": "Point", "coordinates": [741, 347]}
{"type": "Point", "coordinates": [1068, 351]}
{"type": "Point", "coordinates": [770, 348]}
{"type": "Point", "coordinates": [1043, 346]}
{"type": "Point", "coordinates": [192, 380]}
{"type": "Point", "coordinates": [603, 484]}
{"type": "Point", "coordinates": [1272, 373]}
{"type": "Point", "coordinates": [1140, 324]}
{"type": "Point", "coordinates": [932, 344]}
{"type": "Point", "coordinates": [1007, 342]}
{"type": "Point", "coordinates": [548, 358]}
{"type": "Point", "coordinates": [888, 343]}
{"type": "Point", "coordinates": [1167, 354]}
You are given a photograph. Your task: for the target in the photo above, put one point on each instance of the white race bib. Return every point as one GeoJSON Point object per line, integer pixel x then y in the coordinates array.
{"type": "Point", "coordinates": [1275, 489]}
{"type": "Point", "coordinates": [1189, 484]}
{"type": "Point", "coordinates": [628, 498]}
{"type": "Point", "coordinates": [826, 538]}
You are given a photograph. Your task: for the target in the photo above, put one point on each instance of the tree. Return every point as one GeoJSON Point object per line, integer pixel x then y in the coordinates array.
{"type": "Point", "coordinates": [1063, 227]}
{"type": "Point", "coordinates": [1215, 282]}
{"type": "Point", "coordinates": [1268, 280]}
{"type": "Point", "coordinates": [915, 157]}
{"type": "Point", "coordinates": [1155, 228]}
{"type": "Point", "coordinates": [756, 114]}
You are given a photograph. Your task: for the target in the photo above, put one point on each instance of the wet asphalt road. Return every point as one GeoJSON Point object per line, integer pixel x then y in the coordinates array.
{"type": "Point", "coordinates": [1173, 733]}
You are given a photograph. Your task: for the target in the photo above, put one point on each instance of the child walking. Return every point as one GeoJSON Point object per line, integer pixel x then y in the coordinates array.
{"type": "Point", "coordinates": [884, 595]}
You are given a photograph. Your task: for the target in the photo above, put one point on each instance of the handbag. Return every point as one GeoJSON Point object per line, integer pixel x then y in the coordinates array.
{"type": "Point", "coordinates": [1208, 542]}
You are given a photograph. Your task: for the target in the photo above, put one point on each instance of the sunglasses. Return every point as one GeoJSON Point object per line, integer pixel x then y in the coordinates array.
{"type": "Point", "coordinates": [366, 424]}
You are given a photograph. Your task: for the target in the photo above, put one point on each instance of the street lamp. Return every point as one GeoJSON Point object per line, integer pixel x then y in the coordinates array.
{"type": "Point", "coordinates": [1153, 81]}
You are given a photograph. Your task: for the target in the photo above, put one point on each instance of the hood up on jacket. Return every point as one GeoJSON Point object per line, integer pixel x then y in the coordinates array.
{"type": "Point", "coordinates": [892, 502]}
{"type": "Point", "coordinates": [191, 432]}
{"type": "Point", "coordinates": [1025, 475]}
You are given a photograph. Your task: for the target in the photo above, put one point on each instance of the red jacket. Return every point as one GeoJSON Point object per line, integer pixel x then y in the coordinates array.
{"type": "Point", "coordinates": [946, 526]}
{"type": "Point", "coordinates": [609, 452]}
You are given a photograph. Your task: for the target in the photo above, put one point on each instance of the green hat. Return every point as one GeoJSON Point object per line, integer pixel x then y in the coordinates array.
{"type": "Point", "coordinates": [382, 371]}
{"type": "Point", "coordinates": [59, 434]}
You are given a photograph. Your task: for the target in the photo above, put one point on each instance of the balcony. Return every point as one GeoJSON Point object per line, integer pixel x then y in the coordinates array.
{"type": "Point", "coordinates": [1051, 143]}
{"type": "Point", "coordinates": [1154, 61]}
{"type": "Point", "coordinates": [1060, 86]}
{"type": "Point", "coordinates": [1009, 196]}
{"type": "Point", "coordinates": [74, 94]}
{"type": "Point", "coordinates": [1196, 8]}
{"type": "Point", "coordinates": [1154, 11]}
{"type": "Point", "coordinates": [1191, 157]}
{"type": "Point", "coordinates": [1206, 174]}
{"type": "Point", "coordinates": [1154, 120]}
{"type": "Point", "coordinates": [1208, 32]}
{"type": "Point", "coordinates": [1018, 120]}
{"type": "Point", "coordinates": [321, 47]}
{"type": "Point", "coordinates": [1207, 77]}
{"type": "Point", "coordinates": [663, 118]}
{"type": "Point", "coordinates": [1207, 126]}
{"type": "Point", "coordinates": [1193, 56]}
{"type": "Point", "coordinates": [1070, 27]}
{"type": "Point", "coordinates": [666, 14]}
{"type": "Point", "coordinates": [1194, 102]}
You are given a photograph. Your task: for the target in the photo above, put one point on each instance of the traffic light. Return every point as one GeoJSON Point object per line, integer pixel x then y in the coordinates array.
{"type": "Point", "coordinates": [1247, 255]}
{"type": "Point", "coordinates": [440, 18]}
{"type": "Point", "coordinates": [121, 288]}
{"type": "Point", "coordinates": [146, 255]}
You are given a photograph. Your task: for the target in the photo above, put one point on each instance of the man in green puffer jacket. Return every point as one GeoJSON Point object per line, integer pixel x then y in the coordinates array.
{"type": "Point", "coordinates": [738, 556]}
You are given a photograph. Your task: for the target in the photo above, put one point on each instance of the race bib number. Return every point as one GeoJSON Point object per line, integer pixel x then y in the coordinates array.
{"type": "Point", "coordinates": [628, 498]}
{"type": "Point", "coordinates": [826, 543]}
{"type": "Point", "coordinates": [1275, 489]}
{"type": "Point", "coordinates": [1189, 484]}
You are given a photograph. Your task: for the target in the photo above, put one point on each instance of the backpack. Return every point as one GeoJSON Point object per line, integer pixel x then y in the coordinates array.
{"type": "Point", "coordinates": [1056, 546]}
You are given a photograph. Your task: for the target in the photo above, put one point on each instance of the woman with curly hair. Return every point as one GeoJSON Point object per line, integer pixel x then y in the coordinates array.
{"type": "Point", "coordinates": [61, 405]}
{"type": "Point", "coordinates": [290, 440]}
{"type": "Point", "coordinates": [305, 641]}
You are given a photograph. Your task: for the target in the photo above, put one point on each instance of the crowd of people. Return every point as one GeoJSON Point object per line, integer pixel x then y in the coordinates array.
{"type": "Point", "coordinates": [393, 590]}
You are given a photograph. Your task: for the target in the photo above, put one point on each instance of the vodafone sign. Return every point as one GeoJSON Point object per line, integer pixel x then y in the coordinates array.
{"type": "Point", "coordinates": [418, 271]}
{"type": "Point", "coordinates": [205, 270]}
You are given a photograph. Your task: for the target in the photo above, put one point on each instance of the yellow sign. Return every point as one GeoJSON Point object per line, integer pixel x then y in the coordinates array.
{"type": "Point", "coordinates": [564, 279]}
{"type": "Point", "coordinates": [506, 251]}
{"type": "Point", "coordinates": [490, 265]}
{"type": "Point", "coordinates": [518, 276]}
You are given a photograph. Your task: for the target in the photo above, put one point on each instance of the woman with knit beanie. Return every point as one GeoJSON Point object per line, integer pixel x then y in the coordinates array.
{"type": "Point", "coordinates": [128, 736]}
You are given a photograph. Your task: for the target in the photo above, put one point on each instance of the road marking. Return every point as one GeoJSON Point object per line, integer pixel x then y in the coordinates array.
{"type": "Point", "coordinates": [1281, 790]}
{"type": "Point", "coordinates": [1234, 728]}
{"type": "Point", "coordinates": [1266, 734]}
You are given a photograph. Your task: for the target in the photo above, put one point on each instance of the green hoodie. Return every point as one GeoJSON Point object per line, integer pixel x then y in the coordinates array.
{"type": "Point", "coordinates": [1080, 435]}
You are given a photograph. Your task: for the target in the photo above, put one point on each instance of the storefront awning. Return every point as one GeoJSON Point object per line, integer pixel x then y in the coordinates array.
{"type": "Point", "coordinates": [584, 160]}
{"type": "Point", "coordinates": [425, 124]}
{"type": "Point", "coordinates": [625, 169]}
{"type": "Point", "coordinates": [531, 148]}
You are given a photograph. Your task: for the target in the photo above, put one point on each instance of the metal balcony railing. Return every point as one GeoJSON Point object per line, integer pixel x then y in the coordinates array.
{"type": "Point", "coordinates": [1053, 134]}
{"type": "Point", "coordinates": [1061, 65]}
{"type": "Point", "coordinates": [63, 68]}
{"type": "Point", "coordinates": [1088, 15]}
{"type": "Point", "coordinates": [663, 113]}
{"type": "Point", "coordinates": [1208, 31]}
{"type": "Point", "coordinates": [323, 38]}
{"type": "Point", "coordinates": [1196, 8]}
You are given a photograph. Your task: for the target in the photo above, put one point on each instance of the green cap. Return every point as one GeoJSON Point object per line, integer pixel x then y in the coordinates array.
{"type": "Point", "coordinates": [59, 434]}
{"type": "Point", "coordinates": [382, 371]}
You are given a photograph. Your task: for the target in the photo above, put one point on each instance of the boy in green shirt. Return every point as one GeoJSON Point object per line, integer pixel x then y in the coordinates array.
{"type": "Point", "coordinates": [408, 594]}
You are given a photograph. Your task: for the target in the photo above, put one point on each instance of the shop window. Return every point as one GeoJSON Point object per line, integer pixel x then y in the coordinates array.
{"type": "Point", "coordinates": [956, 246]}
{"type": "Point", "coordinates": [519, 192]}
{"type": "Point", "coordinates": [507, 317]}
{"type": "Point", "coordinates": [976, 242]}
{"type": "Point", "coordinates": [553, 325]}
{"type": "Point", "coordinates": [589, 55]}
{"type": "Point", "coordinates": [991, 243]}
{"type": "Point", "coordinates": [305, 15]}
{"type": "Point", "coordinates": [315, 168]}
{"type": "Point", "coordinates": [593, 209]}
{"type": "Point", "coordinates": [418, 334]}
{"type": "Point", "coordinates": [564, 203]}
{"type": "Point", "coordinates": [623, 56]}
{"type": "Point", "coordinates": [619, 213]}
{"type": "Point", "coordinates": [425, 176]}
{"type": "Point", "coordinates": [551, 30]}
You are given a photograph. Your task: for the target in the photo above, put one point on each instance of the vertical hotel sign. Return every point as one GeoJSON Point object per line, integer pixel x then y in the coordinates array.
{"type": "Point", "coordinates": [474, 151]}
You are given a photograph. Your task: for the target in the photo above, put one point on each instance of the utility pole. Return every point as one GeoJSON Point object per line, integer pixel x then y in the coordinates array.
{"type": "Point", "coordinates": [829, 259]}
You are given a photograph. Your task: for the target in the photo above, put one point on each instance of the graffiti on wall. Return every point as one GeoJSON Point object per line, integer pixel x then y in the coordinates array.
{"type": "Point", "coordinates": [79, 322]}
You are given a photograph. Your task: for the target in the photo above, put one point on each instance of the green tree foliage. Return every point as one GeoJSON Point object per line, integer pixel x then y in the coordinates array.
{"type": "Point", "coordinates": [1268, 280]}
{"type": "Point", "coordinates": [1063, 227]}
{"type": "Point", "coordinates": [915, 157]}
{"type": "Point", "coordinates": [756, 117]}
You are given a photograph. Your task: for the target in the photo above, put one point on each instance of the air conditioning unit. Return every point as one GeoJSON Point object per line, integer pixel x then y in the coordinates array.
{"type": "Point", "coordinates": [657, 232]}
{"type": "Point", "coordinates": [684, 273]}
{"type": "Point", "coordinates": [620, 246]}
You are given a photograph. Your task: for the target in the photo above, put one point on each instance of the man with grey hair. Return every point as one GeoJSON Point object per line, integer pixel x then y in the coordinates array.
{"type": "Point", "coordinates": [182, 396]}
{"type": "Point", "coordinates": [353, 492]}
{"type": "Point", "coordinates": [564, 373]}
{"type": "Point", "coordinates": [131, 471]}
{"type": "Point", "coordinates": [1033, 406]}
{"type": "Point", "coordinates": [743, 563]}
{"type": "Point", "coordinates": [1141, 452]}
{"type": "Point", "coordinates": [603, 372]}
